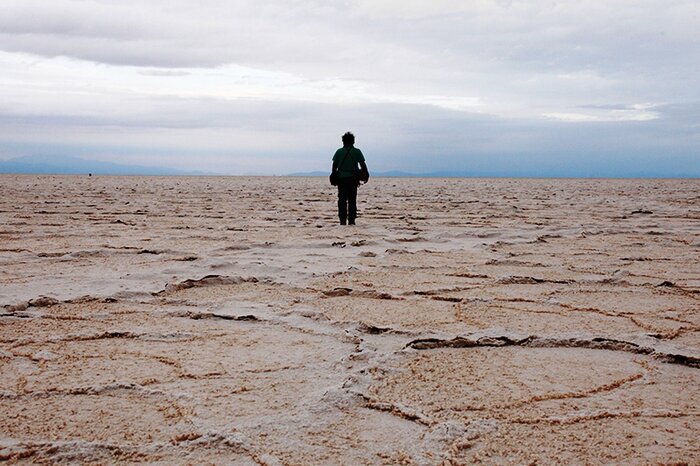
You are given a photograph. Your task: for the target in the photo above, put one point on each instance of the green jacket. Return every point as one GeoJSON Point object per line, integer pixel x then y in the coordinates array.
{"type": "Point", "coordinates": [350, 162]}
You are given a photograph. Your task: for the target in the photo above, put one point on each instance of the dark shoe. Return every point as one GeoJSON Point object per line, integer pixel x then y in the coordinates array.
{"type": "Point", "coordinates": [351, 222]}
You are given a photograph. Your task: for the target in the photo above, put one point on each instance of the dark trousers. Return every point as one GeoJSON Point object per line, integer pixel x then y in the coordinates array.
{"type": "Point", "coordinates": [347, 200]}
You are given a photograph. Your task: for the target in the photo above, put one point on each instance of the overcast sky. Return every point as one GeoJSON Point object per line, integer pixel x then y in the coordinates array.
{"type": "Point", "coordinates": [550, 88]}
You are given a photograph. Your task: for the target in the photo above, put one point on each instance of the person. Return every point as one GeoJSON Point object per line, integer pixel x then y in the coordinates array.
{"type": "Point", "coordinates": [345, 161]}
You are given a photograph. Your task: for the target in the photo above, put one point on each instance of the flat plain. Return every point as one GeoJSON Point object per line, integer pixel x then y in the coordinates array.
{"type": "Point", "coordinates": [204, 320]}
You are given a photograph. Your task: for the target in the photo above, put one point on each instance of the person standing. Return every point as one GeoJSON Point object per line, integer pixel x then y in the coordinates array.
{"type": "Point", "coordinates": [345, 162]}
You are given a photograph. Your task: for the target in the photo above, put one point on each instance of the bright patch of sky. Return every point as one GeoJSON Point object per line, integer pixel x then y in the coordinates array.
{"type": "Point", "coordinates": [268, 86]}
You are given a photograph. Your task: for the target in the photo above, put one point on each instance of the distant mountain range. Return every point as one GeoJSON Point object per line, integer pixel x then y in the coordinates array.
{"type": "Point", "coordinates": [66, 165]}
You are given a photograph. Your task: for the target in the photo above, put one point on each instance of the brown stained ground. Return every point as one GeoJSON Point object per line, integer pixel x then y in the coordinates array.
{"type": "Point", "coordinates": [230, 321]}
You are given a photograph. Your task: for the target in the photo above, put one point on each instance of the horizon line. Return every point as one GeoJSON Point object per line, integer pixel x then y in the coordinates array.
{"type": "Point", "coordinates": [416, 175]}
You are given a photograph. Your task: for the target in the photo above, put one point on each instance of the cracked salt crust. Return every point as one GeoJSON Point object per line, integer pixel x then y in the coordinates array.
{"type": "Point", "coordinates": [229, 320]}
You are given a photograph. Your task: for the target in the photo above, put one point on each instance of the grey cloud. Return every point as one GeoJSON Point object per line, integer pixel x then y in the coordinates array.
{"type": "Point", "coordinates": [164, 33]}
{"type": "Point", "coordinates": [77, 19]}
{"type": "Point", "coordinates": [506, 51]}
{"type": "Point", "coordinates": [648, 48]}
{"type": "Point", "coordinates": [529, 56]}
{"type": "Point", "coordinates": [291, 136]}
{"type": "Point", "coordinates": [157, 72]}
{"type": "Point", "coordinates": [605, 107]}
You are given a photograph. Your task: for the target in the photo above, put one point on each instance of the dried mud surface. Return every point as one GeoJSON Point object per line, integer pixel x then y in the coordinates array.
{"type": "Point", "coordinates": [230, 321]}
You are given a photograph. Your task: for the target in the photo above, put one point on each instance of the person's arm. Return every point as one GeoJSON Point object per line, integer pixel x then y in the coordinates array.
{"type": "Point", "coordinates": [363, 165]}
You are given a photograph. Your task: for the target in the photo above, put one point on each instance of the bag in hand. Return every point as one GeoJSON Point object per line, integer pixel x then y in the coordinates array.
{"type": "Point", "coordinates": [334, 178]}
{"type": "Point", "coordinates": [364, 175]}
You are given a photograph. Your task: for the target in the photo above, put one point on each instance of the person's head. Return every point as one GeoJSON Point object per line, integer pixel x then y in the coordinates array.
{"type": "Point", "coordinates": [348, 139]}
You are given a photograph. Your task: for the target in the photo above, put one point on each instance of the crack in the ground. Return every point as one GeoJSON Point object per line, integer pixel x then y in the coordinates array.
{"type": "Point", "coordinates": [78, 450]}
{"type": "Point", "coordinates": [397, 410]}
{"type": "Point", "coordinates": [604, 414]}
{"type": "Point", "coordinates": [89, 391]}
{"type": "Point", "coordinates": [527, 280]}
{"type": "Point", "coordinates": [197, 315]}
{"type": "Point", "coordinates": [208, 280]}
{"type": "Point", "coordinates": [171, 337]}
{"type": "Point", "coordinates": [670, 334]}
{"type": "Point", "coordinates": [370, 294]}
{"type": "Point", "coordinates": [614, 385]}
{"type": "Point", "coordinates": [376, 330]}
{"type": "Point", "coordinates": [534, 341]}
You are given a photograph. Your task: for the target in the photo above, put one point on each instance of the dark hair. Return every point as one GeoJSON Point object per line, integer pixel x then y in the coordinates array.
{"type": "Point", "coordinates": [348, 139]}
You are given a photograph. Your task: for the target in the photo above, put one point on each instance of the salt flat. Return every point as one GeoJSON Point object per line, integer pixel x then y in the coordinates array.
{"type": "Point", "coordinates": [174, 320]}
